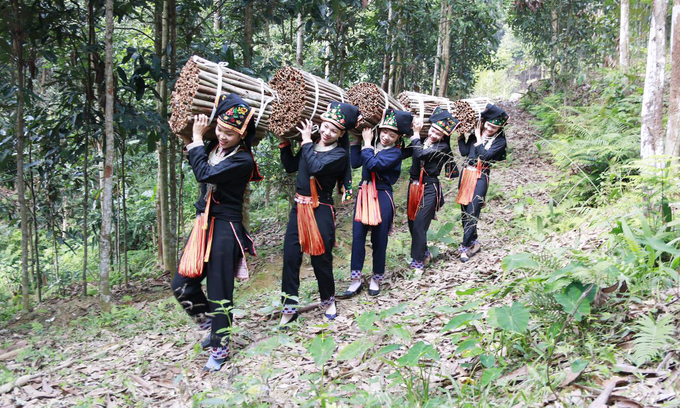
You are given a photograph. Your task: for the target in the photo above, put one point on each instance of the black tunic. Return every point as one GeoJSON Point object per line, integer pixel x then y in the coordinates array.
{"type": "Point", "coordinates": [494, 153]}
{"type": "Point", "coordinates": [230, 177]}
{"type": "Point", "coordinates": [325, 166]}
{"type": "Point", "coordinates": [432, 159]}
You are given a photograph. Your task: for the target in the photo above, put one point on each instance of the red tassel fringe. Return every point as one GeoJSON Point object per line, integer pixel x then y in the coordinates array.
{"type": "Point", "coordinates": [368, 206]}
{"type": "Point", "coordinates": [467, 185]}
{"type": "Point", "coordinates": [415, 195]}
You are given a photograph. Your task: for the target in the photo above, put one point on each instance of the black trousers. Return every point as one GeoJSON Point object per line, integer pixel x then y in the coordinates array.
{"type": "Point", "coordinates": [429, 205]}
{"type": "Point", "coordinates": [220, 271]}
{"type": "Point", "coordinates": [470, 212]}
{"type": "Point", "coordinates": [379, 235]}
{"type": "Point", "coordinates": [322, 264]}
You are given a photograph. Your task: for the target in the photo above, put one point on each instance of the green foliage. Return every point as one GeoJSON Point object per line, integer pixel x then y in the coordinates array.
{"type": "Point", "coordinates": [653, 337]}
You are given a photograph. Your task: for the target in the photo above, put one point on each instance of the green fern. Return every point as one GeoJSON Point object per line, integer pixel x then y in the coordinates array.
{"type": "Point", "coordinates": [652, 338]}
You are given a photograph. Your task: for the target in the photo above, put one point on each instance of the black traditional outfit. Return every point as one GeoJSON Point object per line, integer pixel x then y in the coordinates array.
{"type": "Point", "coordinates": [425, 196]}
{"type": "Point", "coordinates": [478, 155]}
{"type": "Point", "coordinates": [311, 226]}
{"type": "Point", "coordinates": [374, 208]}
{"type": "Point", "coordinates": [218, 243]}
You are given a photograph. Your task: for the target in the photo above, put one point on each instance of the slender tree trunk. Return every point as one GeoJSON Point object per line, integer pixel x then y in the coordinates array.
{"type": "Point", "coordinates": [89, 94]}
{"type": "Point", "coordinates": [327, 57]}
{"type": "Point", "coordinates": [55, 248]}
{"type": "Point", "coordinates": [107, 193]}
{"type": "Point", "coordinates": [117, 210]}
{"type": "Point", "coordinates": [385, 84]}
{"type": "Point", "coordinates": [248, 34]}
{"type": "Point", "coordinates": [300, 32]}
{"type": "Point", "coordinates": [172, 153]}
{"type": "Point", "coordinates": [161, 106]}
{"type": "Point", "coordinates": [651, 137]}
{"type": "Point", "coordinates": [624, 36]}
{"type": "Point", "coordinates": [393, 52]}
{"type": "Point", "coordinates": [18, 43]}
{"type": "Point", "coordinates": [446, 51]}
{"type": "Point", "coordinates": [673, 125]}
{"type": "Point", "coordinates": [217, 16]}
{"type": "Point", "coordinates": [437, 60]}
{"type": "Point", "coordinates": [125, 224]}
{"type": "Point", "coordinates": [34, 212]}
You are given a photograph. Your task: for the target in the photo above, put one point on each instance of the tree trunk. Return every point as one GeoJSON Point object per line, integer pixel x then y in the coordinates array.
{"type": "Point", "coordinates": [386, 59]}
{"type": "Point", "coordinates": [125, 224]}
{"type": "Point", "coordinates": [300, 32]}
{"type": "Point", "coordinates": [217, 16]}
{"type": "Point", "coordinates": [390, 36]}
{"type": "Point", "coordinates": [673, 125]}
{"type": "Point", "coordinates": [172, 153]}
{"type": "Point", "coordinates": [248, 34]}
{"type": "Point", "coordinates": [624, 36]}
{"type": "Point", "coordinates": [327, 56]}
{"type": "Point", "coordinates": [18, 43]}
{"type": "Point", "coordinates": [651, 137]}
{"type": "Point", "coordinates": [446, 51]}
{"type": "Point", "coordinates": [437, 60]}
{"type": "Point", "coordinates": [36, 236]}
{"type": "Point", "coordinates": [89, 95]}
{"type": "Point", "coordinates": [107, 203]}
{"type": "Point", "coordinates": [161, 44]}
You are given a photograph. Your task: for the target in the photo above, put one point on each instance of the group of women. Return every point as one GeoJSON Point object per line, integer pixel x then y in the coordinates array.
{"type": "Point", "coordinates": [218, 243]}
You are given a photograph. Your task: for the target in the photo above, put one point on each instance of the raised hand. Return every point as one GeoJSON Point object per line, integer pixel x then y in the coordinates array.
{"type": "Point", "coordinates": [367, 135]}
{"type": "Point", "coordinates": [417, 125]}
{"type": "Point", "coordinates": [306, 131]}
{"type": "Point", "coordinates": [201, 125]}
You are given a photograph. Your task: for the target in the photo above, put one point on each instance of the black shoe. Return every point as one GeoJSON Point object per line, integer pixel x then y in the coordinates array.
{"type": "Point", "coordinates": [349, 294]}
{"type": "Point", "coordinates": [372, 292]}
{"type": "Point", "coordinates": [214, 364]}
{"type": "Point", "coordinates": [286, 326]}
{"type": "Point", "coordinates": [332, 316]}
{"type": "Point", "coordinates": [205, 343]}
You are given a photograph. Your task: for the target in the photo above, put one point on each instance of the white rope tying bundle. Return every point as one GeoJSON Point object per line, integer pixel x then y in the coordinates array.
{"type": "Point", "coordinates": [316, 96]}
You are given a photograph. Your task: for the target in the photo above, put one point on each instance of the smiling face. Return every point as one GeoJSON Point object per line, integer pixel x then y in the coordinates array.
{"type": "Point", "coordinates": [434, 134]}
{"type": "Point", "coordinates": [227, 137]}
{"type": "Point", "coordinates": [490, 129]}
{"type": "Point", "coordinates": [388, 137]}
{"type": "Point", "coordinates": [329, 133]}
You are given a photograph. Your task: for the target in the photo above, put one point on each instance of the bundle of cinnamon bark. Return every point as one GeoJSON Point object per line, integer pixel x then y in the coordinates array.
{"type": "Point", "coordinates": [422, 105]}
{"type": "Point", "coordinates": [300, 95]}
{"type": "Point", "coordinates": [371, 101]}
{"type": "Point", "coordinates": [201, 81]}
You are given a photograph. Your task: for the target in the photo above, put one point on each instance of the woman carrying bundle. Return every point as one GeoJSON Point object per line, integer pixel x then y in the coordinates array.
{"type": "Point", "coordinates": [218, 242]}
{"type": "Point", "coordinates": [311, 226]}
{"type": "Point", "coordinates": [425, 195]}
{"type": "Point", "coordinates": [486, 146]}
{"type": "Point", "coordinates": [374, 209]}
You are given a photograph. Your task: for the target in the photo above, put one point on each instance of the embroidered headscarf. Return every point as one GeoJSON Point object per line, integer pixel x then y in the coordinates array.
{"type": "Point", "coordinates": [344, 116]}
{"type": "Point", "coordinates": [397, 120]}
{"type": "Point", "coordinates": [234, 113]}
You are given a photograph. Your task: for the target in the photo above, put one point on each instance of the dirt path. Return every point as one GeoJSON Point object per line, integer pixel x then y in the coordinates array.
{"type": "Point", "coordinates": [153, 360]}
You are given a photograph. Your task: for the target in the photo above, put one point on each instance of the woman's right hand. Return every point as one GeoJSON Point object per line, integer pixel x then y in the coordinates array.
{"type": "Point", "coordinates": [417, 125]}
{"type": "Point", "coordinates": [306, 131]}
{"type": "Point", "coordinates": [201, 125]}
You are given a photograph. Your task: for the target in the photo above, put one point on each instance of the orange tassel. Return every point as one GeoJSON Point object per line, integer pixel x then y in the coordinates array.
{"type": "Point", "coordinates": [415, 195]}
{"type": "Point", "coordinates": [468, 183]}
{"type": "Point", "coordinates": [191, 264]}
{"type": "Point", "coordinates": [308, 231]}
{"type": "Point", "coordinates": [312, 188]}
{"type": "Point", "coordinates": [208, 246]}
{"type": "Point", "coordinates": [208, 200]}
{"type": "Point", "coordinates": [368, 206]}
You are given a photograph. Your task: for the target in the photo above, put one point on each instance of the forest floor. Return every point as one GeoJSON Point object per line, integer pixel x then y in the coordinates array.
{"type": "Point", "coordinates": [145, 352]}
